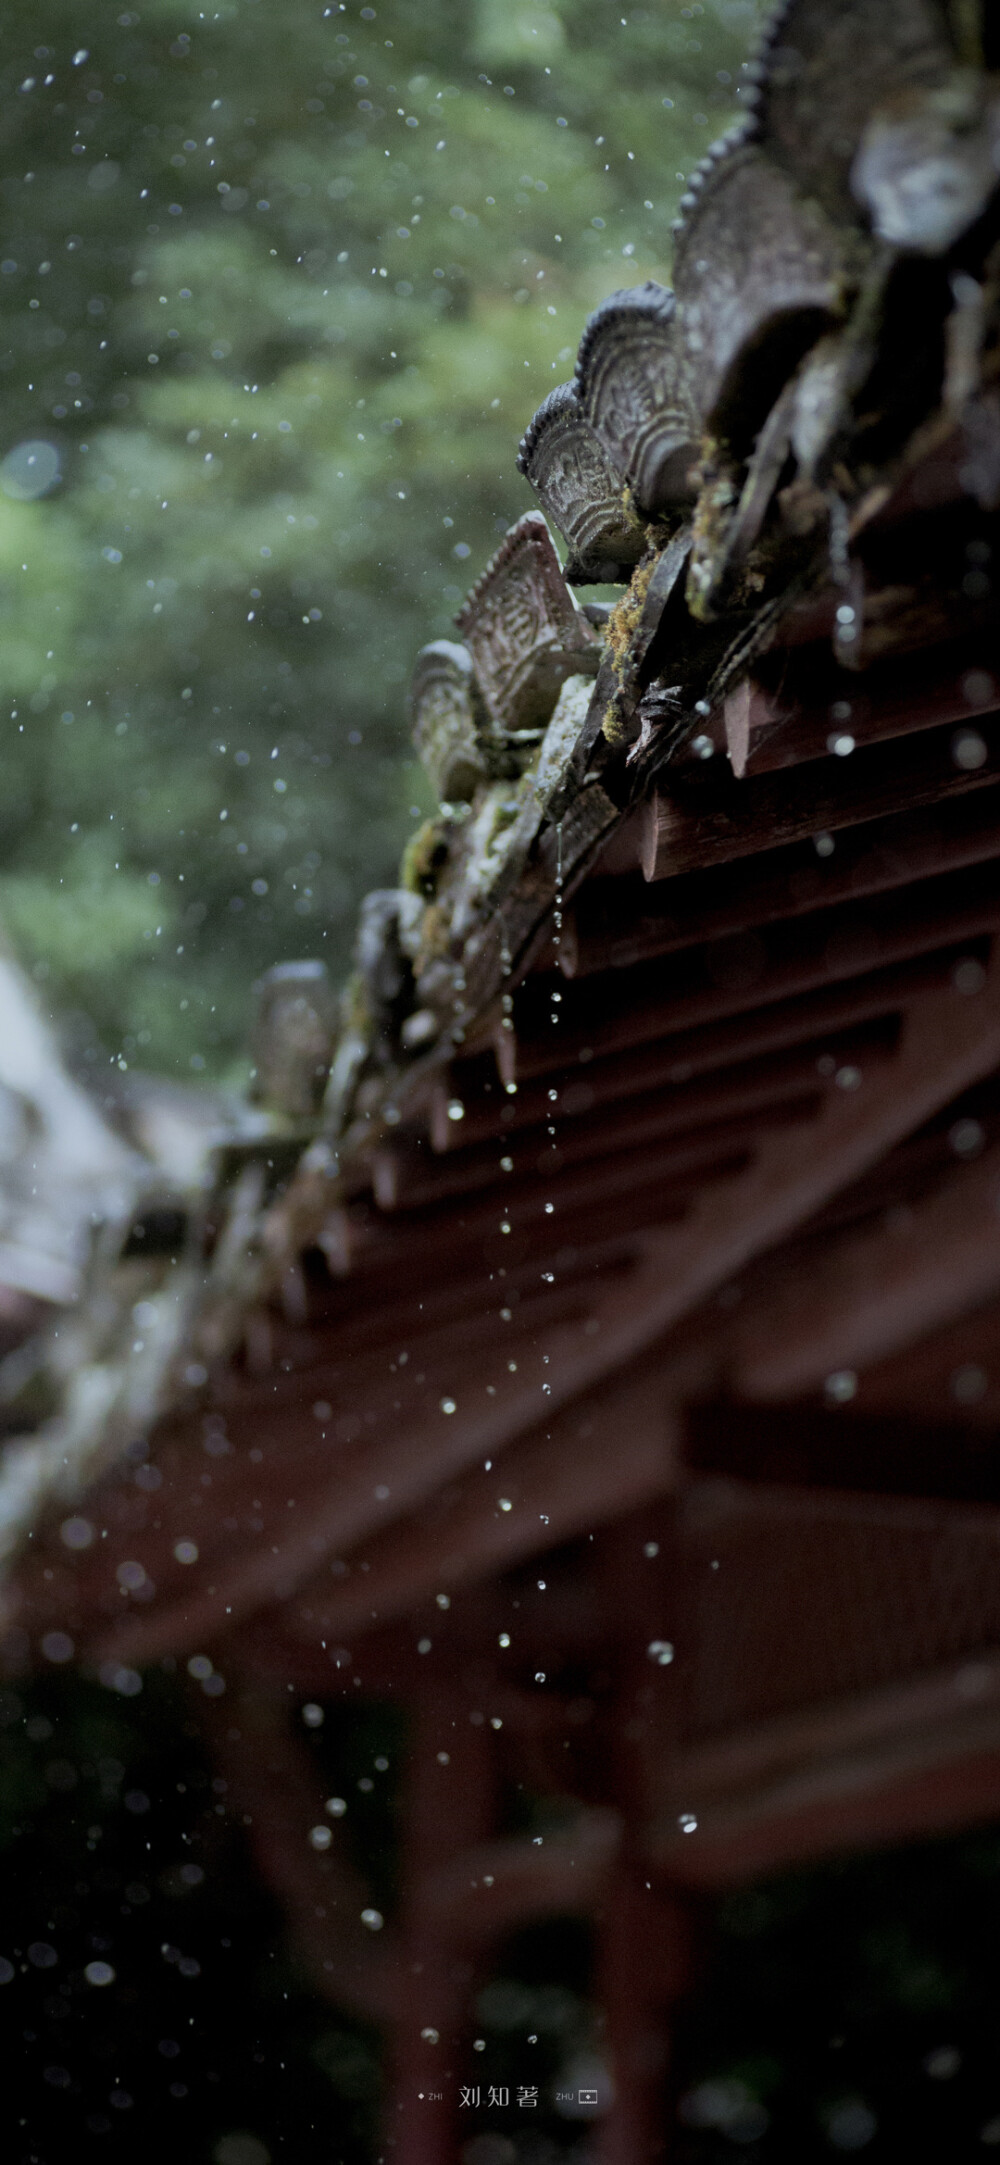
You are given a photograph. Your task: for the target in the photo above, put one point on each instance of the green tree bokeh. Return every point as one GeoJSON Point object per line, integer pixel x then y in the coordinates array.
{"type": "Point", "coordinates": [281, 286]}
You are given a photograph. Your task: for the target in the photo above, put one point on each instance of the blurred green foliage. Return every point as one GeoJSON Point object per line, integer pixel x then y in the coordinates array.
{"type": "Point", "coordinates": [281, 286]}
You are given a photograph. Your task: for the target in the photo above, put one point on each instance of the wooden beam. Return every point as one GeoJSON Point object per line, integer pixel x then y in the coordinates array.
{"type": "Point", "coordinates": [617, 923]}
{"type": "Point", "coordinates": [712, 818]}
{"type": "Point", "coordinates": [653, 1058]}
{"type": "Point", "coordinates": [953, 1375]}
{"type": "Point", "coordinates": [745, 1759]}
{"type": "Point", "coordinates": [901, 1764]}
{"type": "Point", "coordinates": [551, 1179]}
{"type": "Point", "coordinates": [871, 1293]}
{"type": "Point", "coordinates": [551, 1485]}
{"type": "Point", "coordinates": [449, 1801]}
{"type": "Point", "coordinates": [790, 711]}
{"type": "Point", "coordinates": [412, 1443]}
{"type": "Point", "coordinates": [564, 1624]}
{"type": "Point", "coordinates": [264, 1458]}
{"type": "Point", "coordinates": [920, 1450]}
{"type": "Point", "coordinates": [402, 1457]}
{"type": "Point", "coordinates": [646, 1933]}
{"type": "Point", "coordinates": [480, 1894]}
{"type": "Point", "coordinates": [646, 1962]}
{"type": "Point", "coordinates": [753, 970]}
{"type": "Point", "coordinates": [949, 1040]}
{"type": "Point", "coordinates": [411, 1178]}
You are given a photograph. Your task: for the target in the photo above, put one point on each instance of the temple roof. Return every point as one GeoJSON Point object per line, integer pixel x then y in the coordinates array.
{"type": "Point", "coordinates": [668, 1079]}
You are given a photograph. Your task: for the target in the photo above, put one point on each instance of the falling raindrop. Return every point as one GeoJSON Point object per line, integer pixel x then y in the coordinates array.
{"type": "Point", "coordinates": [77, 1533]}
{"type": "Point", "coordinates": [969, 750]}
{"type": "Point", "coordinates": [841, 1386]}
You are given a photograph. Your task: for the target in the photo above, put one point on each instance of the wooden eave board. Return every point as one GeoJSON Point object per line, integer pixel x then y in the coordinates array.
{"type": "Point", "coordinates": [298, 1459]}
{"type": "Point", "coordinates": [616, 923]}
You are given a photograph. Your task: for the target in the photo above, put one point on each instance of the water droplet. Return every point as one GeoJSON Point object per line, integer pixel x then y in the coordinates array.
{"type": "Point", "coordinates": [969, 750]}
{"type": "Point", "coordinates": [841, 1386]}
{"type": "Point", "coordinates": [969, 1383]}
{"type": "Point", "coordinates": [76, 1533]}
{"type": "Point", "coordinates": [58, 1646]}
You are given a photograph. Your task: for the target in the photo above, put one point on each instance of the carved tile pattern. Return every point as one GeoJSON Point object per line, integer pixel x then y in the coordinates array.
{"type": "Point", "coordinates": [753, 258]}
{"type": "Point", "coordinates": [523, 630]}
{"type": "Point", "coordinates": [444, 721]}
{"type": "Point", "coordinates": [580, 488]}
{"type": "Point", "coordinates": [635, 391]}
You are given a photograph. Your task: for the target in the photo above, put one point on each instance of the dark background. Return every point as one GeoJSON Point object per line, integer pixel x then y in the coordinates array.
{"type": "Point", "coordinates": [851, 2008]}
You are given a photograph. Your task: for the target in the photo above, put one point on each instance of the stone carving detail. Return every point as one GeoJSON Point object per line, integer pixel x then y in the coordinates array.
{"type": "Point", "coordinates": [580, 488]}
{"type": "Point", "coordinates": [634, 388]}
{"type": "Point", "coordinates": [293, 1039]}
{"type": "Point", "coordinates": [824, 66]}
{"type": "Point", "coordinates": [524, 632]}
{"type": "Point", "coordinates": [445, 721]}
{"type": "Point", "coordinates": [760, 275]}
{"type": "Point", "coordinates": [881, 109]}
